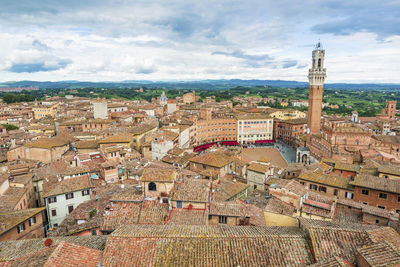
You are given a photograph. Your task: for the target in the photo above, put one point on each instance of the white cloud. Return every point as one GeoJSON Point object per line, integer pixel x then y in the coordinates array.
{"type": "Point", "coordinates": [98, 41]}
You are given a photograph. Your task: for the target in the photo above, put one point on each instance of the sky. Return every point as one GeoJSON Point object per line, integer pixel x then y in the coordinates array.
{"type": "Point", "coordinates": [114, 40]}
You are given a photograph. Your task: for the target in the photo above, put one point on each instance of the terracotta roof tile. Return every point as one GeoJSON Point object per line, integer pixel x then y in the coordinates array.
{"type": "Point", "coordinates": [326, 179]}
{"type": "Point", "coordinates": [333, 261]}
{"type": "Point", "coordinates": [380, 254]}
{"type": "Point", "coordinates": [13, 249]}
{"type": "Point", "coordinates": [213, 159]}
{"type": "Point", "coordinates": [68, 185]}
{"type": "Point", "coordinates": [226, 189]}
{"type": "Point", "coordinates": [10, 219]}
{"type": "Point", "coordinates": [374, 182]}
{"type": "Point", "coordinates": [124, 213]}
{"type": "Point", "coordinates": [69, 255]}
{"type": "Point", "coordinates": [276, 205]}
{"type": "Point", "coordinates": [195, 190]}
{"type": "Point", "coordinates": [173, 245]}
{"type": "Point", "coordinates": [188, 217]}
{"type": "Point", "coordinates": [225, 208]}
{"type": "Point", "coordinates": [336, 239]}
{"type": "Point", "coordinates": [151, 174]}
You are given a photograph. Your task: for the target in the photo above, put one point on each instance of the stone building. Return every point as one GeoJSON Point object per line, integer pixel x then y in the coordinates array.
{"type": "Point", "coordinates": [22, 224]}
{"type": "Point", "coordinates": [189, 97]}
{"type": "Point", "coordinates": [158, 182]}
{"type": "Point", "coordinates": [213, 127]}
{"type": "Point", "coordinates": [383, 193]}
{"type": "Point", "coordinates": [290, 131]}
{"type": "Point", "coordinates": [339, 139]}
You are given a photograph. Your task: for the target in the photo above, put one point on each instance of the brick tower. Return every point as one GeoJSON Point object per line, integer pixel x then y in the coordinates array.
{"type": "Point", "coordinates": [390, 109]}
{"type": "Point", "coordinates": [316, 77]}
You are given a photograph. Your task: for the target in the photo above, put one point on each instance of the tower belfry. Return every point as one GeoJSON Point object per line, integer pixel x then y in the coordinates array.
{"type": "Point", "coordinates": [316, 77]}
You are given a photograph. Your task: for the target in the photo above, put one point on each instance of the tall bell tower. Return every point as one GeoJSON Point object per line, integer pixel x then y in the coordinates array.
{"type": "Point", "coordinates": [316, 77]}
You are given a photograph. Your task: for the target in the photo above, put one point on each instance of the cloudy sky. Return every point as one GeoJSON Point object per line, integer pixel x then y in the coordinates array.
{"type": "Point", "coordinates": [111, 40]}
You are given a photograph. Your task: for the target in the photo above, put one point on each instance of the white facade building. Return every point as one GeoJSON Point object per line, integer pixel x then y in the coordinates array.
{"type": "Point", "coordinates": [100, 110]}
{"type": "Point", "coordinates": [116, 108]}
{"type": "Point", "coordinates": [159, 149]}
{"type": "Point", "coordinates": [254, 128]}
{"type": "Point", "coordinates": [65, 196]}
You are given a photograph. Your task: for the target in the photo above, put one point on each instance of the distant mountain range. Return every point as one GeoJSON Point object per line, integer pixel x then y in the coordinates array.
{"type": "Point", "coordinates": [201, 84]}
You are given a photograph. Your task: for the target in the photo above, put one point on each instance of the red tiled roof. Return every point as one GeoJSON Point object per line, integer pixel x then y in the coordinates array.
{"type": "Point", "coordinates": [206, 246]}
{"type": "Point", "coordinates": [71, 255]}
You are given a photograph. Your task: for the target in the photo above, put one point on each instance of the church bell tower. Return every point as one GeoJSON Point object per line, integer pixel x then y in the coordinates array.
{"type": "Point", "coordinates": [316, 77]}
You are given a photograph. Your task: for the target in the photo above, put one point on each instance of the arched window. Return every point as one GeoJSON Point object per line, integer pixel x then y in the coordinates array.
{"type": "Point", "coordinates": [152, 187]}
{"type": "Point", "coordinates": [344, 141]}
{"type": "Point", "coordinates": [319, 63]}
{"type": "Point", "coordinates": [357, 142]}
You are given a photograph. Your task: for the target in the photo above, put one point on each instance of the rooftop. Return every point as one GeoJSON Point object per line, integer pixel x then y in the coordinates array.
{"type": "Point", "coordinates": [68, 185]}
{"type": "Point", "coordinates": [188, 217]}
{"type": "Point", "coordinates": [196, 190]}
{"type": "Point", "coordinates": [152, 174]}
{"type": "Point", "coordinates": [13, 249]}
{"type": "Point", "coordinates": [213, 159]}
{"type": "Point", "coordinates": [226, 189]}
{"type": "Point", "coordinates": [9, 220]}
{"type": "Point", "coordinates": [180, 245]}
{"type": "Point", "coordinates": [226, 208]}
{"type": "Point", "coordinates": [377, 183]}
{"type": "Point", "coordinates": [380, 254]}
{"type": "Point", "coordinates": [336, 239]}
{"type": "Point", "coordinates": [70, 254]}
{"type": "Point", "coordinates": [326, 179]}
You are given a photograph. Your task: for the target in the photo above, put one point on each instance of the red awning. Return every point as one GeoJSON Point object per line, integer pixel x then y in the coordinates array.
{"type": "Point", "coordinates": [229, 143]}
{"type": "Point", "coordinates": [264, 141]}
{"type": "Point", "coordinates": [203, 147]}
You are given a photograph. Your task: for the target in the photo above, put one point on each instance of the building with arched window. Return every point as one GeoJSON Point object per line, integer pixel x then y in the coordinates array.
{"type": "Point", "coordinates": [158, 182]}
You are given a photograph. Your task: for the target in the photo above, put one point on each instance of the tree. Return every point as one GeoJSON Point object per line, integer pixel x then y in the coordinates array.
{"type": "Point", "coordinates": [10, 127]}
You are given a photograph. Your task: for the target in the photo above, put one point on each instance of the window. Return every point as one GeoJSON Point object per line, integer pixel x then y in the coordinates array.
{"type": "Point", "coordinates": [21, 227]}
{"type": "Point", "coordinates": [322, 189]}
{"type": "Point", "coordinates": [335, 192]}
{"type": "Point", "coordinates": [179, 204]}
{"type": "Point", "coordinates": [383, 195]}
{"type": "Point", "coordinates": [85, 192]}
{"type": "Point", "coordinates": [313, 187]}
{"type": "Point", "coordinates": [32, 221]}
{"type": "Point", "coordinates": [398, 199]}
{"type": "Point", "coordinates": [381, 207]}
{"type": "Point", "coordinates": [222, 219]}
{"type": "Point", "coordinates": [365, 192]}
{"type": "Point", "coordinates": [70, 208]}
{"type": "Point", "coordinates": [152, 187]}
{"type": "Point", "coordinates": [69, 195]}
{"type": "Point", "coordinates": [54, 212]}
{"type": "Point", "coordinates": [349, 195]}
{"type": "Point", "coordinates": [377, 221]}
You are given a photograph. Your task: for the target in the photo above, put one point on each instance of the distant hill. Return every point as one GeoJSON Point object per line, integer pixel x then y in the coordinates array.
{"type": "Point", "coordinates": [201, 84]}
